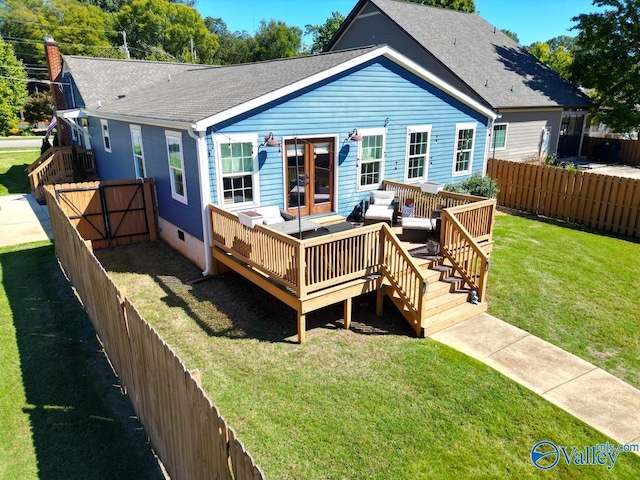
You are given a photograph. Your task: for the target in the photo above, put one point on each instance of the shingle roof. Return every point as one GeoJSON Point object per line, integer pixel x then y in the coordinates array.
{"type": "Point", "coordinates": [193, 93]}
{"type": "Point", "coordinates": [491, 63]}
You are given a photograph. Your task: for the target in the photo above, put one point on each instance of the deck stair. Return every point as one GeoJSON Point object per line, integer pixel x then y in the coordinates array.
{"type": "Point", "coordinates": [447, 300]}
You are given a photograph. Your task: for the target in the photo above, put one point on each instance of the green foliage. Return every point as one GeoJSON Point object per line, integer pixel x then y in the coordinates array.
{"type": "Point", "coordinates": [606, 59]}
{"type": "Point", "coordinates": [462, 5]}
{"type": "Point", "coordinates": [275, 39]}
{"type": "Point", "coordinates": [322, 34]}
{"type": "Point", "coordinates": [512, 35]}
{"type": "Point", "coordinates": [475, 185]}
{"type": "Point", "coordinates": [79, 29]}
{"type": "Point", "coordinates": [39, 107]}
{"type": "Point", "coordinates": [13, 88]}
{"type": "Point", "coordinates": [555, 53]}
{"type": "Point", "coordinates": [161, 30]}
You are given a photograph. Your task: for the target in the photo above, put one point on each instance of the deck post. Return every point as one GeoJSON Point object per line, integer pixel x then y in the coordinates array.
{"type": "Point", "coordinates": [379, 298]}
{"type": "Point", "coordinates": [348, 303]}
{"type": "Point", "coordinates": [302, 327]}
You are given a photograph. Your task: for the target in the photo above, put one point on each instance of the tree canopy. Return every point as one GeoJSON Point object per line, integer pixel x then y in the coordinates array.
{"type": "Point", "coordinates": [13, 91]}
{"type": "Point", "coordinates": [512, 35]}
{"type": "Point", "coordinates": [607, 59]}
{"type": "Point", "coordinates": [462, 5]}
{"type": "Point", "coordinates": [322, 34]}
{"type": "Point", "coordinates": [557, 53]}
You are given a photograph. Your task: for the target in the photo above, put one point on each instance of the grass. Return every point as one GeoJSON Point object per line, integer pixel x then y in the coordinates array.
{"type": "Point", "coordinates": [61, 411]}
{"type": "Point", "coordinates": [570, 286]}
{"type": "Point", "coordinates": [372, 402]}
{"type": "Point", "coordinates": [13, 178]}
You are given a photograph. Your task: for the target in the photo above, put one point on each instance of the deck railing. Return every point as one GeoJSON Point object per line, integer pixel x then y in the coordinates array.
{"type": "Point", "coordinates": [56, 166]}
{"type": "Point", "coordinates": [404, 275]}
{"type": "Point", "coordinates": [464, 248]}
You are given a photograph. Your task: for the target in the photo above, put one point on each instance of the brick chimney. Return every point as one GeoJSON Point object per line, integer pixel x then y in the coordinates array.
{"type": "Point", "coordinates": [54, 63]}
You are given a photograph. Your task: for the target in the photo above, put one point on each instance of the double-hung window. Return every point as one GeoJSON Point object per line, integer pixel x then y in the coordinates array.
{"type": "Point", "coordinates": [237, 164]}
{"type": "Point", "coordinates": [176, 166]}
{"type": "Point", "coordinates": [417, 152]}
{"type": "Point", "coordinates": [499, 140]}
{"type": "Point", "coordinates": [371, 159]}
{"type": "Point", "coordinates": [138, 150]}
{"type": "Point", "coordinates": [104, 127]}
{"type": "Point", "coordinates": [463, 153]}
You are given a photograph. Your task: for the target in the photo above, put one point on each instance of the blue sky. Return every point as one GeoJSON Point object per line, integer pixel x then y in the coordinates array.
{"type": "Point", "coordinates": [531, 20]}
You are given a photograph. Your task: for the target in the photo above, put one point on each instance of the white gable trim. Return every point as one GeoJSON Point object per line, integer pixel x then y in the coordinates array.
{"type": "Point", "coordinates": [385, 51]}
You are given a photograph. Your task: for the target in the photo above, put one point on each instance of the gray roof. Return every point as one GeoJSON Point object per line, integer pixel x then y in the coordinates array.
{"type": "Point", "coordinates": [193, 92]}
{"type": "Point", "coordinates": [498, 69]}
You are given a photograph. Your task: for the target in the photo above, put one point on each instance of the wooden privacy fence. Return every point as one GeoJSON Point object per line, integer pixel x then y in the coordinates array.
{"type": "Point", "coordinates": [629, 149]}
{"type": "Point", "coordinates": [594, 200]}
{"type": "Point", "coordinates": [188, 433]}
{"type": "Point", "coordinates": [110, 213]}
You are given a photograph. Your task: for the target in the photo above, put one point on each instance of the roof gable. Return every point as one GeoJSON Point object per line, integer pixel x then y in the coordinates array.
{"type": "Point", "coordinates": [498, 69]}
{"type": "Point", "coordinates": [203, 96]}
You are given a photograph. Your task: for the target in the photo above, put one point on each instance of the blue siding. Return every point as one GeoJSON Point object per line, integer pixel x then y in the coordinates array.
{"type": "Point", "coordinates": [360, 98]}
{"type": "Point", "coordinates": [119, 164]}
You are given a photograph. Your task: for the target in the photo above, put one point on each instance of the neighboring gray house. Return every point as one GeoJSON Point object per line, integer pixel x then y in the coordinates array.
{"type": "Point", "coordinates": [539, 112]}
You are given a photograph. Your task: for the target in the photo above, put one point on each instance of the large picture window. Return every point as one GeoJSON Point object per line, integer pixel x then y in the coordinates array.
{"type": "Point", "coordinates": [371, 155]}
{"type": "Point", "coordinates": [237, 167]}
{"type": "Point", "coordinates": [138, 151]}
{"type": "Point", "coordinates": [499, 140]}
{"type": "Point", "coordinates": [463, 154]}
{"type": "Point", "coordinates": [417, 152]}
{"type": "Point", "coordinates": [176, 166]}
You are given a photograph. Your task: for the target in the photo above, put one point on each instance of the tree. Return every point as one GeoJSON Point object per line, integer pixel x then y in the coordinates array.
{"type": "Point", "coordinates": [38, 108]}
{"type": "Point", "coordinates": [462, 5]}
{"type": "Point", "coordinates": [236, 47]}
{"type": "Point", "coordinates": [162, 30]}
{"type": "Point", "coordinates": [79, 29]}
{"type": "Point", "coordinates": [512, 35]}
{"type": "Point", "coordinates": [13, 88]}
{"type": "Point", "coordinates": [322, 34]}
{"type": "Point", "coordinates": [607, 58]}
{"type": "Point", "coordinates": [557, 57]}
{"type": "Point", "coordinates": [276, 39]}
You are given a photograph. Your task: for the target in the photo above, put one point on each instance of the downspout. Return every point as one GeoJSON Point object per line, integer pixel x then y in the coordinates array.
{"type": "Point", "coordinates": [202, 159]}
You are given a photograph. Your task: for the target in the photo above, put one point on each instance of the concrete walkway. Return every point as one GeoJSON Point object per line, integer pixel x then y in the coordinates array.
{"type": "Point", "coordinates": [594, 396]}
{"type": "Point", "coordinates": [23, 220]}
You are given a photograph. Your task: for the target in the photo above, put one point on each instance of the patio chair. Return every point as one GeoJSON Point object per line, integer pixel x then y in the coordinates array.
{"type": "Point", "coordinates": [381, 208]}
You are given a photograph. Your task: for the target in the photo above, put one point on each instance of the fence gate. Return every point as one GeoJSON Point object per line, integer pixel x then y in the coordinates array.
{"type": "Point", "coordinates": [118, 212]}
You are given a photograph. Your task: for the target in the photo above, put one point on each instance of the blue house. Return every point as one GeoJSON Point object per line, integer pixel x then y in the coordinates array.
{"type": "Point", "coordinates": [313, 135]}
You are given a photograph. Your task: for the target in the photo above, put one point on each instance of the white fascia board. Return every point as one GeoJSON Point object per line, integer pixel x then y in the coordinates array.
{"type": "Point", "coordinates": [154, 122]}
{"type": "Point", "coordinates": [426, 75]}
{"type": "Point", "coordinates": [71, 113]}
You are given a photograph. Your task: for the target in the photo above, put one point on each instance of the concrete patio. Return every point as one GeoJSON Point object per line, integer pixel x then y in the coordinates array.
{"type": "Point", "coordinates": [23, 220]}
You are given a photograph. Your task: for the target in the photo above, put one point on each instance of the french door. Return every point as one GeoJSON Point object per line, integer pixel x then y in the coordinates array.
{"type": "Point", "coordinates": [309, 182]}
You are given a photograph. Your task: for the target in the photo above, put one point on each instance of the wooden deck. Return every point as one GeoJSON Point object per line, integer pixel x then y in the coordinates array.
{"type": "Point", "coordinates": [309, 274]}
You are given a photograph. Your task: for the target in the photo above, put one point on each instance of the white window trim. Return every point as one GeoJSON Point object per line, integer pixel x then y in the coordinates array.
{"type": "Point", "coordinates": [252, 138]}
{"type": "Point", "coordinates": [365, 132]}
{"type": "Point", "coordinates": [133, 128]}
{"type": "Point", "coordinates": [105, 136]}
{"type": "Point", "coordinates": [176, 196]}
{"type": "Point", "coordinates": [506, 132]}
{"type": "Point", "coordinates": [417, 129]}
{"type": "Point", "coordinates": [463, 126]}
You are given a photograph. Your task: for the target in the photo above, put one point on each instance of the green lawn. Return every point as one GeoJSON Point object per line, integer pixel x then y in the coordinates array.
{"type": "Point", "coordinates": [373, 402]}
{"type": "Point", "coordinates": [573, 287]}
{"type": "Point", "coordinates": [13, 178]}
{"type": "Point", "coordinates": [61, 412]}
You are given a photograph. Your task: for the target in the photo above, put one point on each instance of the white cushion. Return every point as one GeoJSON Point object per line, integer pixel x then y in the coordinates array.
{"type": "Point", "coordinates": [379, 212]}
{"type": "Point", "coordinates": [273, 220]}
{"type": "Point", "coordinates": [269, 211]}
{"type": "Point", "coordinates": [417, 223]}
{"type": "Point", "coordinates": [382, 197]}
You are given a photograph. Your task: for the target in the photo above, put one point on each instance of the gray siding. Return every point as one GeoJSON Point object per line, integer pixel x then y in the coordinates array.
{"type": "Point", "coordinates": [524, 133]}
{"type": "Point", "coordinates": [376, 29]}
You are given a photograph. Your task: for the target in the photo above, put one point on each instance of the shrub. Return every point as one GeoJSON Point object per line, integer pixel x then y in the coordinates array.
{"type": "Point", "coordinates": [476, 185]}
{"type": "Point", "coordinates": [15, 131]}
